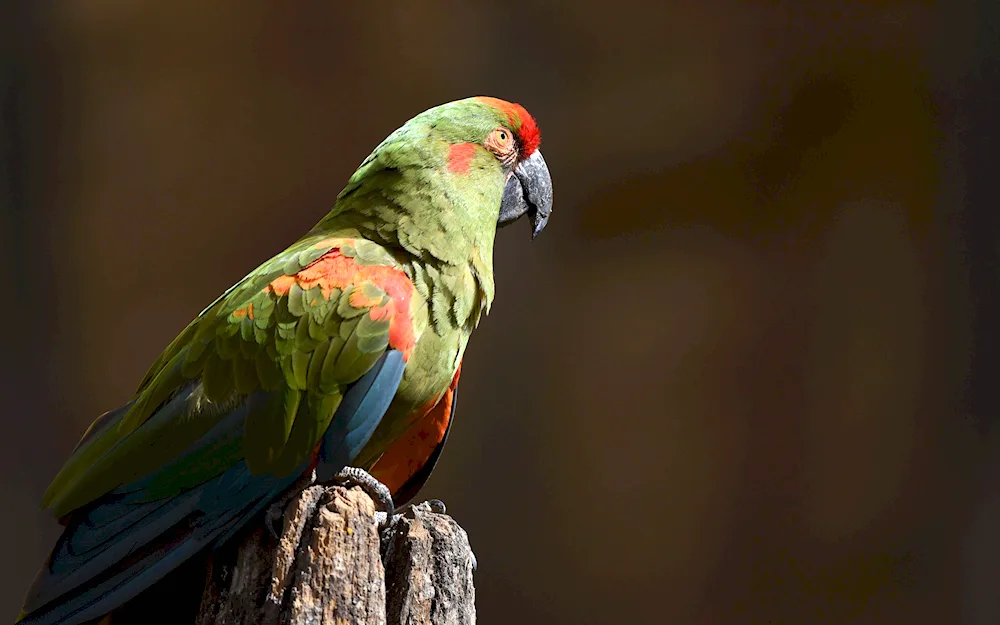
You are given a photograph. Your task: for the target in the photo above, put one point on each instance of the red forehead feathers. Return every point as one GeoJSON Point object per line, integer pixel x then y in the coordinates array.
{"type": "Point", "coordinates": [526, 128]}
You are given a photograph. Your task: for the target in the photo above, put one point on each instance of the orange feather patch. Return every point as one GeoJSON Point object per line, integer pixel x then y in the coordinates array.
{"type": "Point", "coordinates": [246, 311]}
{"type": "Point", "coordinates": [459, 157]}
{"type": "Point", "coordinates": [333, 270]}
{"type": "Point", "coordinates": [410, 453]}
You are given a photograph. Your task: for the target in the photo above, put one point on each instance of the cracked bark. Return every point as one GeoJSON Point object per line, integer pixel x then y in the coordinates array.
{"type": "Point", "coordinates": [330, 566]}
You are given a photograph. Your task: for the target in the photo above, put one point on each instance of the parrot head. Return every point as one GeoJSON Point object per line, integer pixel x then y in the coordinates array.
{"type": "Point", "coordinates": [528, 184]}
{"type": "Point", "coordinates": [499, 133]}
{"type": "Point", "coordinates": [478, 156]}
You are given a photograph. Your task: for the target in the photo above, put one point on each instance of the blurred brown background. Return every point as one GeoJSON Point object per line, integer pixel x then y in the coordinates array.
{"type": "Point", "coordinates": [738, 380]}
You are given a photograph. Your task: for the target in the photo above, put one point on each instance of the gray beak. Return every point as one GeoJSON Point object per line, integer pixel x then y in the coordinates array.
{"type": "Point", "coordinates": [528, 191]}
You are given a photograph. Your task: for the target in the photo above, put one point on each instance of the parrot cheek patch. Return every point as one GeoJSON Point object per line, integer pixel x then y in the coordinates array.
{"type": "Point", "coordinates": [459, 157]}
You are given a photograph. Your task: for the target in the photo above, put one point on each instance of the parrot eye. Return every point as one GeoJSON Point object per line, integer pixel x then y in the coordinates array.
{"type": "Point", "coordinates": [501, 143]}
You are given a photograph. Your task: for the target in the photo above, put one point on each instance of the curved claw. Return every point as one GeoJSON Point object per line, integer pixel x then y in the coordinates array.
{"type": "Point", "coordinates": [273, 519]}
{"type": "Point", "coordinates": [435, 506]}
{"type": "Point", "coordinates": [410, 510]}
{"type": "Point", "coordinates": [431, 505]}
{"type": "Point", "coordinates": [379, 492]}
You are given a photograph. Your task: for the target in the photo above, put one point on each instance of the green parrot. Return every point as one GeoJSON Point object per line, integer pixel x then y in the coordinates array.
{"type": "Point", "coordinates": [336, 360]}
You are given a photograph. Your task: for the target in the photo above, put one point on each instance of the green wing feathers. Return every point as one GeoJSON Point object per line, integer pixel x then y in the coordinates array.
{"type": "Point", "coordinates": [289, 337]}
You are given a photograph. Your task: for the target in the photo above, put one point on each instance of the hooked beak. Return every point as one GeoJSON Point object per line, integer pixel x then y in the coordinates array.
{"type": "Point", "coordinates": [528, 191]}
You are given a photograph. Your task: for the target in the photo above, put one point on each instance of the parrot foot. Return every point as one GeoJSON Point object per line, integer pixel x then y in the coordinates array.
{"type": "Point", "coordinates": [275, 516]}
{"type": "Point", "coordinates": [379, 492]}
{"type": "Point", "coordinates": [431, 505]}
{"type": "Point", "coordinates": [409, 511]}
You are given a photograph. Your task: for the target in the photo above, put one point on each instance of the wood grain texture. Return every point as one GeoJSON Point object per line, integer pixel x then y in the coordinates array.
{"type": "Point", "coordinates": [331, 567]}
{"type": "Point", "coordinates": [429, 571]}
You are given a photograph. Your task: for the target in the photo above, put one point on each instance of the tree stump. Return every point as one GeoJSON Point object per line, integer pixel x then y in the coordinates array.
{"type": "Point", "coordinates": [330, 566]}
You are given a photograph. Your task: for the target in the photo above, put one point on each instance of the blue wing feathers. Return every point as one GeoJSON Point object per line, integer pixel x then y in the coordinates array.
{"type": "Point", "coordinates": [359, 414]}
{"type": "Point", "coordinates": [129, 539]}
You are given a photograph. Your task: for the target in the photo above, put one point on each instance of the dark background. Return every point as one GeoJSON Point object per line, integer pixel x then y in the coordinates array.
{"type": "Point", "coordinates": [746, 375]}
